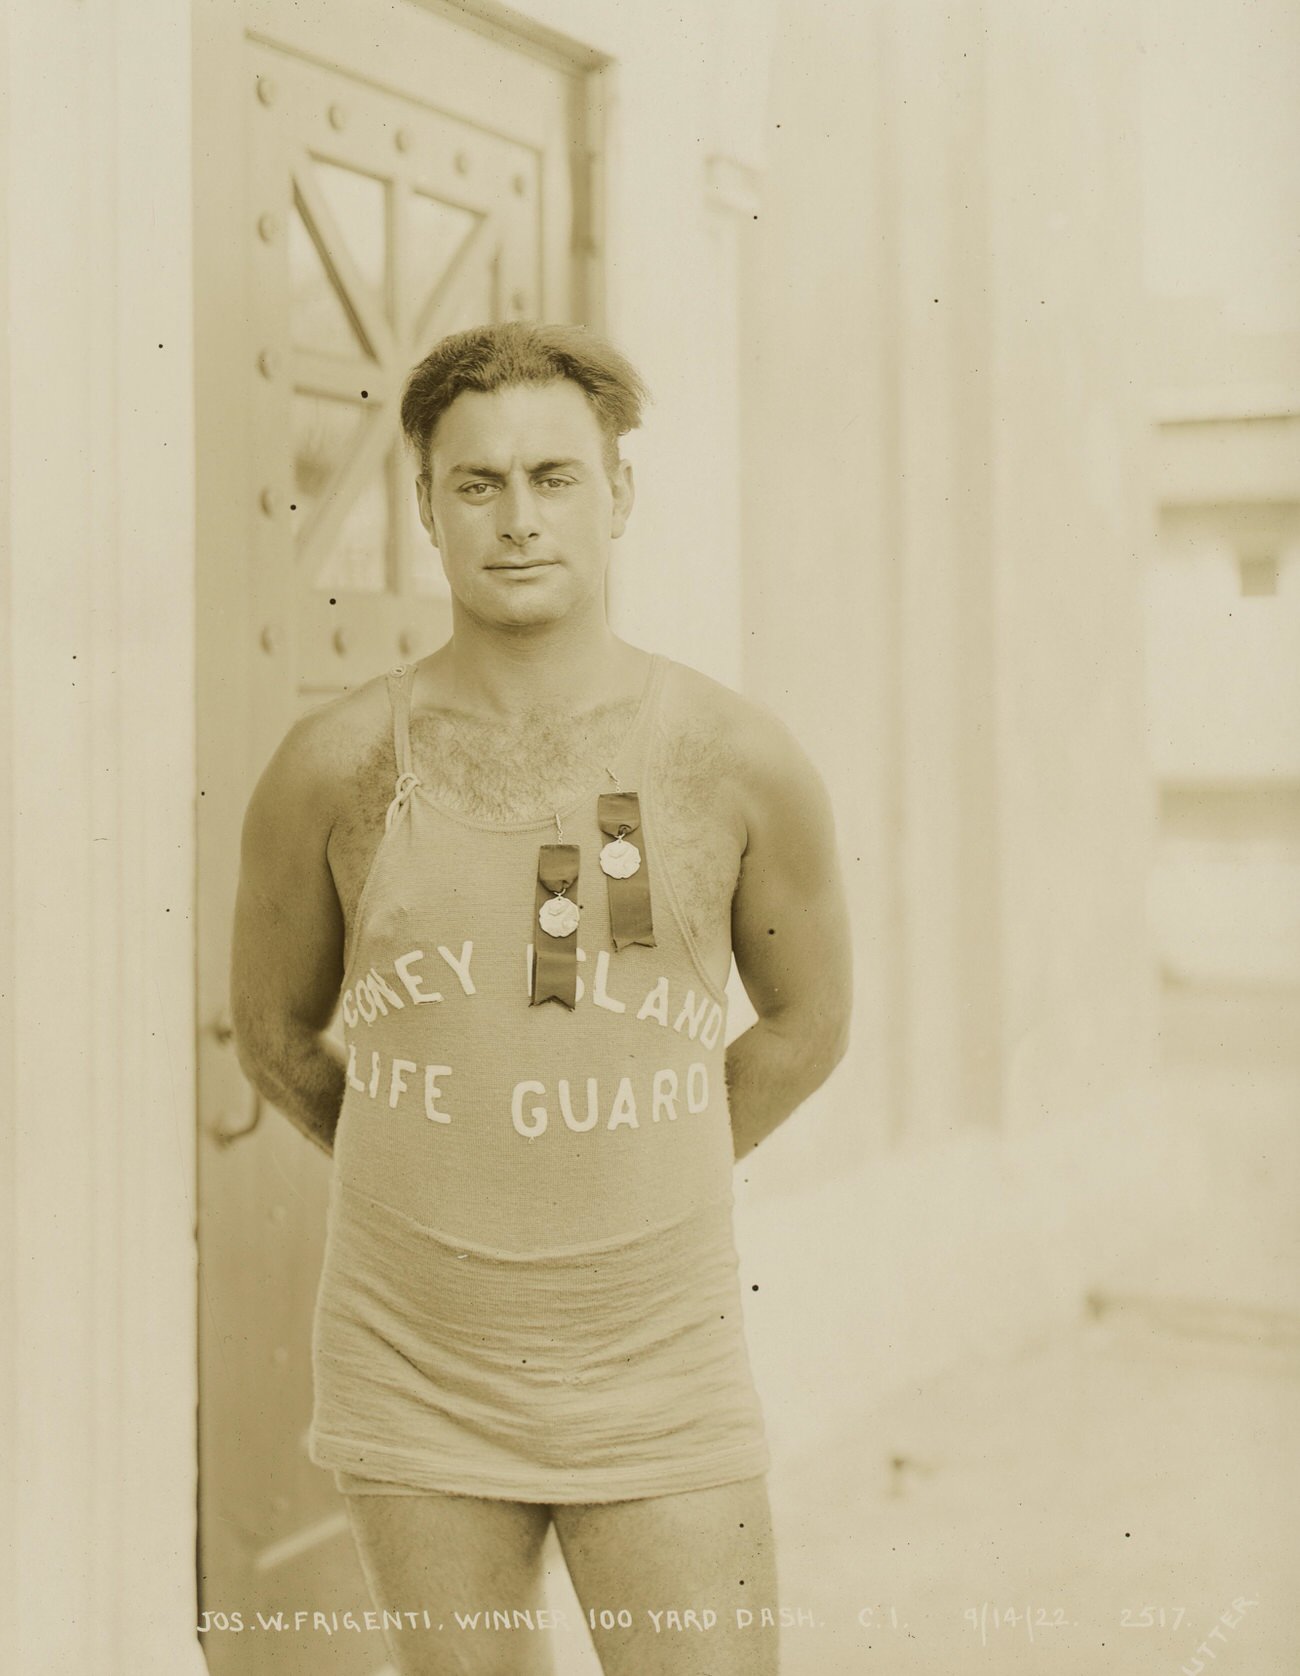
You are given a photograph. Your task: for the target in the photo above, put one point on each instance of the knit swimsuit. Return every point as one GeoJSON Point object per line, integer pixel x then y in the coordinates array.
{"type": "Point", "coordinates": [530, 1280]}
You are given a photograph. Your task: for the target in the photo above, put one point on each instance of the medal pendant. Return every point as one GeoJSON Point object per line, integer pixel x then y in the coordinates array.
{"type": "Point", "coordinates": [555, 964]}
{"type": "Point", "coordinates": [626, 867]}
{"type": "Point", "coordinates": [619, 859]}
{"type": "Point", "coordinates": [558, 917]}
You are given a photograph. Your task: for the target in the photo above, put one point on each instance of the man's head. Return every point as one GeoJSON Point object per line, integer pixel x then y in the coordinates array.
{"type": "Point", "coordinates": [516, 352]}
{"type": "Point", "coordinates": [521, 487]}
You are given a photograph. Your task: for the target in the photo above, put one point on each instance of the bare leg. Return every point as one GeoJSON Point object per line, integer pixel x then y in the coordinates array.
{"type": "Point", "coordinates": [448, 1554]}
{"type": "Point", "coordinates": [706, 1550]}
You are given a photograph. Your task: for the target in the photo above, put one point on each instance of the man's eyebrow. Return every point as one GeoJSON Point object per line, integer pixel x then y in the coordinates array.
{"type": "Point", "coordinates": [491, 471]}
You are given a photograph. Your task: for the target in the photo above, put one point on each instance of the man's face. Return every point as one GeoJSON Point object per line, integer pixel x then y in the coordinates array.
{"type": "Point", "coordinates": [519, 504]}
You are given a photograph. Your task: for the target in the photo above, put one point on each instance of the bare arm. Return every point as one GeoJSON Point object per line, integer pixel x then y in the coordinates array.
{"type": "Point", "coordinates": [790, 939]}
{"type": "Point", "coordinates": [287, 956]}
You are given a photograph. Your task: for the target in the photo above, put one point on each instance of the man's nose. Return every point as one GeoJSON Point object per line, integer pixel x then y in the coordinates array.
{"type": "Point", "coordinates": [517, 514]}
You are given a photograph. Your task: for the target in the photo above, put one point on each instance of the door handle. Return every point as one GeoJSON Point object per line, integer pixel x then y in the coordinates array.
{"type": "Point", "coordinates": [227, 1126]}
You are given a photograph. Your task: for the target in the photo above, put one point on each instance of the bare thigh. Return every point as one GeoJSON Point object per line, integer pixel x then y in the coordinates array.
{"type": "Point", "coordinates": [707, 1551]}
{"type": "Point", "coordinates": [448, 1554]}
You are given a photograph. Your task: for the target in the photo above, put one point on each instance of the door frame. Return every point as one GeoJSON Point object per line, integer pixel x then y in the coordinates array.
{"type": "Point", "coordinates": [97, 1240]}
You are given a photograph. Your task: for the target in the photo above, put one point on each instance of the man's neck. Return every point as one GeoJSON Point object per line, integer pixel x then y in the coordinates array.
{"type": "Point", "coordinates": [565, 667]}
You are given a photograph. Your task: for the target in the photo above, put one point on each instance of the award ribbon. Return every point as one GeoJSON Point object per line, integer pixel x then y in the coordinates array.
{"type": "Point", "coordinates": [555, 960]}
{"type": "Point", "coordinates": [625, 866]}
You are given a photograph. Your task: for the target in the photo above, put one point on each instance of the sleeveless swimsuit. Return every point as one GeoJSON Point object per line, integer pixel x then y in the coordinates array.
{"type": "Point", "coordinates": [530, 1285]}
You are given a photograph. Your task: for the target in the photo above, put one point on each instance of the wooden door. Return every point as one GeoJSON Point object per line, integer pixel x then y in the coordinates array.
{"type": "Point", "coordinates": [368, 177]}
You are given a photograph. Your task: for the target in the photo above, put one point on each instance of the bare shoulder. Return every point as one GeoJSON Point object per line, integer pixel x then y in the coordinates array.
{"type": "Point", "coordinates": [696, 702]}
{"type": "Point", "coordinates": [730, 742]}
{"type": "Point", "coordinates": [313, 771]}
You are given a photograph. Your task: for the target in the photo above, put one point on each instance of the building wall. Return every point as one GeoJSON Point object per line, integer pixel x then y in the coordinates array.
{"type": "Point", "coordinates": [820, 444]}
{"type": "Point", "coordinates": [1072, 527]}
{"type": "Point", "coordinates": [1221, 150]}
{"type": "Point", "coordinates": [97, 874]}
{"type": "Point", "coordinates": [946, 467]}
{"type": "Point", "coordinates": [8, 1207]}
{"type": "Point", "coordinates": [945, 455]}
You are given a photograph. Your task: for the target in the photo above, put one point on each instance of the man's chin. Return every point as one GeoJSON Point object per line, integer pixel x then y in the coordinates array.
{"type": "Point", "coordinates": [518, 613]}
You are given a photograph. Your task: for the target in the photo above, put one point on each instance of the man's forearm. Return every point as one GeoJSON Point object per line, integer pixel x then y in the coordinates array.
{"type": "Point", "coordinates": [772, 1068]}
{"type": "Point", "coordinates": [302, 1075]}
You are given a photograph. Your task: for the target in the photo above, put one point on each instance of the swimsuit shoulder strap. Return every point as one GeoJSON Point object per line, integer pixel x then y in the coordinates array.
{"type": "Point", "coordinates": [400, 681]}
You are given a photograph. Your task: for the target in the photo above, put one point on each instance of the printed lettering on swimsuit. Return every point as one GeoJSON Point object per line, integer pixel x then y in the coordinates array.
{"type": "Point", "coordinates": [401, 1085]}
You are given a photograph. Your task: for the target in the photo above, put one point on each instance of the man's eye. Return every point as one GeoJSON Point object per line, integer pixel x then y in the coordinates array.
{"type": "Point", "coordinates": [468, 489]}
{"type": "Point", "coordinates": [556, 482]}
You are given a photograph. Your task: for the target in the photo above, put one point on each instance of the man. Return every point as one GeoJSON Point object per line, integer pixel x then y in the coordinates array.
{"type": "Point", "coordinates": [523, 866]}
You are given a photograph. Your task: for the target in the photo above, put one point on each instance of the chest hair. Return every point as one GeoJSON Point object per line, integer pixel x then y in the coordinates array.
{"type": "Point", "coordinates": [529, 767]}
{"type": "Point", "coordinates": [523, 769]}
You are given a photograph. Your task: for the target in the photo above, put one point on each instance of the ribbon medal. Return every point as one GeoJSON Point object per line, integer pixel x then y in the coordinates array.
{"type": "Point", "coordinates": [558, 916]}
{"type": "Point", "coordinates": [625, 868]}
{"type": "Point", "coordinates": [619, 859]}
{"type": "Point", "coordinates": [555, 966]}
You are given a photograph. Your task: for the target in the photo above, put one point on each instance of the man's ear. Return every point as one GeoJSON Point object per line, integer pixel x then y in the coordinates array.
{"type": "Point", "coordinates": [624, 495]}
{"type": "Point", "coordinates": [422, 486]}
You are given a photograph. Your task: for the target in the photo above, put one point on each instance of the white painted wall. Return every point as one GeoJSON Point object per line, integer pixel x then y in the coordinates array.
{"type": "Point", "coordinates": [8, 1201]}
{"type": "Point", "coordinates": [1221, 156]}
{"type": "Point", "coordinates": [1221, 171]}
{"type": "Point", "coordinates": [99, 1420]}
{"type": "Point", "coordinates": [944, 527]}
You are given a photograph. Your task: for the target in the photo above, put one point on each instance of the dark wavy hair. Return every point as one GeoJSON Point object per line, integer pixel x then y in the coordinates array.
{"type": "Point", "coordinates": [515, 352]}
